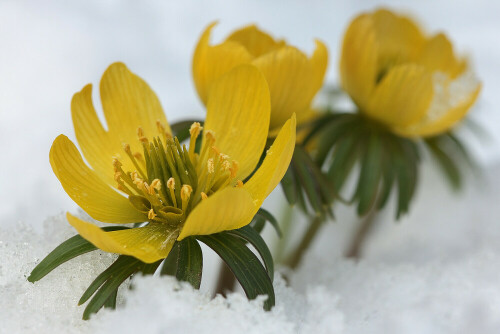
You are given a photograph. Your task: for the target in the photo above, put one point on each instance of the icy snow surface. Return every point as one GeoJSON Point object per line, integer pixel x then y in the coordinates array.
{"type": "Point", "coordinates": [436, 271]}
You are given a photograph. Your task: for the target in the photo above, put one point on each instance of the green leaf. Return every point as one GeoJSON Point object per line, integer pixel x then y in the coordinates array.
{"type": "Point", "coordinates": [244, 264]}
{"type": "Point", "coordinates": [258, 223]}
{"type": "Point", "coordinates": [250, 235]}
{"type": "Point", "coordinates": [68, 250]}
{"type": "Point", "coordinates": [267, 216]}
{"type": "Point", "coordinates": [111, 301]}
{"type": "Point", "coordinates": [405, 164]}
{"type": "Point", "coordinates": [344, 158]}
{"type": "Point", "coordinates": [181, 129]}
{"type": "Point", "coordinates": [388, 175]}
{"type": "Point", "coordinates": [169, 266]}
{"type": "Point", "coordinates": [370, 174]}
{"type": "Point", "coordinates": [307, 182]}
{"type": "Point", "coordinates": [190, 262]}
{"type": "Point", "coordinates": [289, 186]}
{"type": "Point", "coordinates": [109, 281]}
{"type": "Point", "coordinates": [446, 163]}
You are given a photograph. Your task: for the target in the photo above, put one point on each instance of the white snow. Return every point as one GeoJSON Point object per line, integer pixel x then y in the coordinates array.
{"type": "Point", "coordinates": [436, 271]}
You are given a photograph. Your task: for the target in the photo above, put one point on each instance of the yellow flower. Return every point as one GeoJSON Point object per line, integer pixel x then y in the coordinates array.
{"type": "Point", "coordinates": [140, 173]}
{"type": "Point", "coordinates": [293, 77]}
{"type": "Point", "coordinates": [412, 83]}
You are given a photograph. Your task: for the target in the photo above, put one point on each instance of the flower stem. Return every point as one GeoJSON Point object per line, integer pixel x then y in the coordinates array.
{"type": "Point", "coordinates": [359, 238]}
{"type": "Point", "coordinates": [226, 280]}
{"type": "Point", "coordinates": [296, 257]}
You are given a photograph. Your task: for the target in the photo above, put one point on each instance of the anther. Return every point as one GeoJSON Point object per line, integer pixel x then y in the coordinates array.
{"type": "Point", "coordinates": [210, 166]}
{"type": "Point", "coordinates": [171, 187]}
{"type": "Point", "coordinates": [194, 131]}
{"type": "Point", "coordinates": [151, 214]}
{"type": "Point", "coordinates": [155, 185]}
{"type": "Point", "coordinates": [126, 148]}
{"type": "Point", "coordinates": [118, 176]}
{"type": "Point", "coordinates": [140, 134]}
{"type": "Point", "coordinates": [186, 191]}
{"type": "Point", "coordinates": [239, 184]}
{"type": "Point", "coordinates": [203, 196]}
{"type": "Point", "coordinates": [234, 169]}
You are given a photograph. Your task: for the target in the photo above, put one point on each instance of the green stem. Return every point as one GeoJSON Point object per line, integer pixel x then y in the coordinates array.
{"type": "Point", "coordinates": [358, 241]}
{"type": "Point", "coordinates": [296, 257]}
{"type": "Point", "coordinates": [226, 281]}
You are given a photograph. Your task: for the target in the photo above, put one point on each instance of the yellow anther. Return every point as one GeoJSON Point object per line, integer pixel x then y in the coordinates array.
{"type": "Point", "coordinates": [156, 184]}
{"type": "Point", "coordinates": [126, 148]}
{"type": "Point", "coordinates": [226, 165]}
{"type": "Point", "coordinates": [234, 169]}
{"type": "Point", "coordinates": [140, 134]}
{"type": "Point", "coordinates": [239, 184]}
{"type": "Point", "coordinates": [195, 129]}
{"type": "Point", "coordinates": [210, 136]}
{"type": "Point", "coordinates": [215, 151]}
{"type": "Point", "coordinates": [161, 127]}
{"type": "Point", "coordinates": [223, 157]}
{"type": "Point", "coordinates": [151, 214]}
{"type": "Point", "coordinates": [186, 191]}
{"type": "Point", "coordinates": [116, 163]}
{"type": "Point", "coordinates": [171, 183]}
{"type": "Point", "coordinates": [171, 187]}
{"type": "Point", "coordinates": [118, 176]}
{"type": "Point", "coordinates": [210, 166]}
{"type": "Point", "coordinates": [138, 156]}
{"type": "Point", "coordinates": [203, 196]}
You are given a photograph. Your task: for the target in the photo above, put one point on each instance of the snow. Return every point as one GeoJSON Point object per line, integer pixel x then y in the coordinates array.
{"type": "Point", "coordinates": [436, 271]}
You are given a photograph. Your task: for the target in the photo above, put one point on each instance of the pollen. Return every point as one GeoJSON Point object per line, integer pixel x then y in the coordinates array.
{"type": "Point", "coordinates": [210, 166]}
{"type": "Point", "coordinates": [171, 183]}
{"type": "Point", "coordinates": [186, 191]}
{"type": "Point", "coordinates": [151, 214]}
{"type": "Point", "coordinates": [195, 129]}
{"type": "Point", "coordinates": [156, 184]}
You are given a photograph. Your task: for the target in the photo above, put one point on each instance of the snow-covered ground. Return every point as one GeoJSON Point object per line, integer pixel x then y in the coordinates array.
{"type": "Point", "coordinates": [434, 272]}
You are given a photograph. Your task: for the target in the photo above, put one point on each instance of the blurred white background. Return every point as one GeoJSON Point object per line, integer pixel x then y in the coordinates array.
{"type": "Point", "coordinates": [50, 49]}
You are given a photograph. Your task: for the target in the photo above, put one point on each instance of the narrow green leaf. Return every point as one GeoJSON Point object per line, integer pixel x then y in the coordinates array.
{"type": "Point", "coordinates": [244, 264]}
{"type": "Point", "coordinates": [370, 174]}
{"type": "Point", "coordinates": [344, 158]}
{"type": "Point", "coordinates": [121, 262]}
{"type": "Point", "coordinates": [69, 249]}
{"type": "Point", "coordinates": [289, 186]}
{"type": "Point", "coordinates": [111, 301]}
{"type": "Point", "coordinates": [258, 223]}
{"type": "Point", "coordinates": [307, 181]}
{"type": "Point", "coordinates": [405, 164]}
{"type": "Point", "coordinates": [335, 131]}
{"type": "Point", "coordinates": [250, 235]}
{"type": "Point", "coordinates": [150, 268]}
{"type": "Point", "coordinates": [388, 175]}
{"type": "Point", "coordinates": [446, 163]}
{"type": "Point", "coordinates": [271, 219]}
{"type": "Point", "coordinates": [112, 283]}
{"type": "Point", "coordinates": [190, 262]}
{"type": "Point", "coordinates": [169, 266]}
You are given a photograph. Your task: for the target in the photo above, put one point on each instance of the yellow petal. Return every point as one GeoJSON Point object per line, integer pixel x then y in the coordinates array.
{"type": "Point", "coordinates": [437, 55]}
{"type": "Point", "coordinates": [148, 244]}
{"type": "Point", "coordinates": [444, 123]}
{"type": "Point", "coordinates": [274, 166]}
{"type": "Point", "coordinates": [358, 62]}
{"type": "Point", "coordinates": [227, 209]}
{"type": "Point", "coordinates": [319, 62]}
{"type": "Point", "coordinates": [210, 62]}
{"type": "Point", "coordinates": [254, 40]}
{"type": "Point", "coordinates": [93, 195]}
{"type": "Point", "coordinates": [402, 97]}
{"type": "Point", "coordinates": [97, 148]}
{"type": "Point", "coordinates": [289, 74]}
{"type": "Point", "coordinates": [238, 112]}
{"type": "Point", "coordinates": [398, 38]}
{"type": "Point", "coordinates": [129, 103]}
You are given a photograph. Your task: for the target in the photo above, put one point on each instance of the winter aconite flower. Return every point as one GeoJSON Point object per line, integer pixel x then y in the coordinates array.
{"type": "Point", "coordinates": [140, 173]}
{"type": "Point", "coordinates": [412, 83]}
{"type": "Point", "coordinates": [293, 77]}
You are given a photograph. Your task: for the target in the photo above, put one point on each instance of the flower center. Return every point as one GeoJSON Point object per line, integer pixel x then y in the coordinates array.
{"type": "Point", "coordinates": [169, 180]}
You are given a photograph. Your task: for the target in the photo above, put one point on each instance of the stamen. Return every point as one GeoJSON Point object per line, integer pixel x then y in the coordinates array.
{"type": "Point", "coordinates": [163, 131]}
{"type": "Point", "coordinates": [151, 214]}
{"type": "Point", "coordinates": [203, 196]}
{"type": "Point", "coordinates": [155, 185]}
{"type": "Point", "coordinates": [186, 191]}
{"type": "Point", "coordinates": [140, 135]}
{"type": "Point", "coordinates": [210, 166]}
{"type": "Point", "coordinates": [171, 187]}
{"type": "Point", "coordinates": [126, 148]}
{"type": "Point", "coordinates": [239, 184]}
{"type": "Point", "coordinates": [209, 142]}
{"type": "Point", "coordinates": [194, 131]}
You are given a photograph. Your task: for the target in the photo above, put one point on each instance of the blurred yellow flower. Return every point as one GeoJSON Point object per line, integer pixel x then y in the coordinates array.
{"type": "Point", "coordinates": [140, 173]}
{"type": "Point", "coordinates": [412, 83]}
{"type": "Point", "coordinates": [293, 77]}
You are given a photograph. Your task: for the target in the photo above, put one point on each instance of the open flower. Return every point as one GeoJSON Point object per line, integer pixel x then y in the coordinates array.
{"type": "Point", "coordinates": [412, 83]}
{"type": "Point", "coordinates": [140, 173]}
{"type": "Point", "coordinates": [293, 77]}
